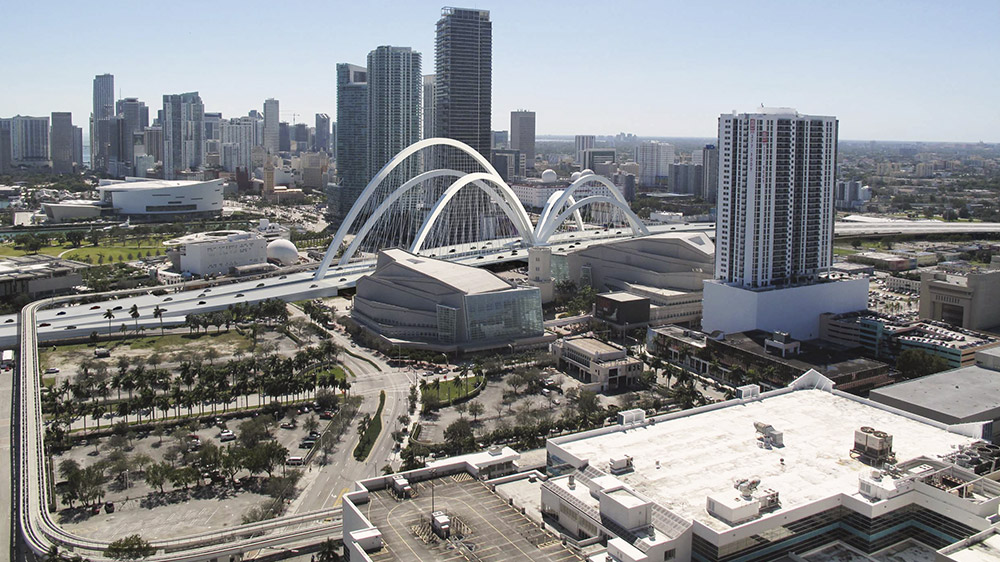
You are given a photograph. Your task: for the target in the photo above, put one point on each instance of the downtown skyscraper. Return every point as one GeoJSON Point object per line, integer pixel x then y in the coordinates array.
{"type": "Point", "coordinates": [463, 60]}
{"type": "Point", "coordinates": [62, 139]}
{"type": "Point", "coordinates": [183, 133]}
{"type": "Point", "coordinates": [394, 91]}
{"type": "Point", "coordinates": [776, 182]}
{"type": "Point", "coordinates": [522, 135]}
{"type": "Point", "coordinates": [272, 131]}
{"type": "Point", "coordinates": [352, 139]}
{"type": "Point", "coordinates": [101, 132]}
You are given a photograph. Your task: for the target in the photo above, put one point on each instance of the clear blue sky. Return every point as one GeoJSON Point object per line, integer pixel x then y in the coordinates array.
{"type": "Point", "coordinates": [890, 70]}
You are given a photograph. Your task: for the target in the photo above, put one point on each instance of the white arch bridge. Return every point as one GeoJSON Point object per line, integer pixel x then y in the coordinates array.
{"type": "Point", "coordinates": [445, 212]}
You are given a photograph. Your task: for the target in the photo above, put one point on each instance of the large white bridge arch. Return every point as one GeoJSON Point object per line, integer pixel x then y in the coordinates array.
{"type": "Point", "coordinates": [488, 181]}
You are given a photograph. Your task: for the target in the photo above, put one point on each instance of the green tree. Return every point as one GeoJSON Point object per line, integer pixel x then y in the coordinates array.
{"type": "Point", "coordinates": [132, 547]}
{"type": "Point", "coordinates": [110, 315]}
{"type": "Point", "coordinates": [459, 436]}
{"type": "Point", "coordinates": [476, 409]}
{"type": "Point", "coordinates": [328, 552]}
{"type": "Point", "coordinates": [157, 474]}
{"type": "Point", "coordinates": [915, 363]}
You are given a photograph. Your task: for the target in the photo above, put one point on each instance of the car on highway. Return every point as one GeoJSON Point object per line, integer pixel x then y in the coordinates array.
{"type": "Point", "coordinates": [61, 313]}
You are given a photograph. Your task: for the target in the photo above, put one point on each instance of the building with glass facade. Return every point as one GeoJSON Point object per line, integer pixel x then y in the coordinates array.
{"type": "Point", "coordinates": [435, 304]}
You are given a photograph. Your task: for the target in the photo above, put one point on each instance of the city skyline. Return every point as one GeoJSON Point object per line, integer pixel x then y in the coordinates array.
{"type": "Point", "coordinates": [876, 66]}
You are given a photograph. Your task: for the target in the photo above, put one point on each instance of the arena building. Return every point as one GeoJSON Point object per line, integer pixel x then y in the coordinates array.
{"type": "Point", "coordinates": [142, 199]}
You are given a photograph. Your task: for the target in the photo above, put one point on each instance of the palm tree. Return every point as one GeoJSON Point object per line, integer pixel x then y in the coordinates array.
{"type": "Point", "coordinates": [110, 315]}
{"type": "Point", "coordinates": [328, 552]}
{"type": "Point", "coordinates": [158, 314]}
{"type": "Point", "coordinates": [134, 313]}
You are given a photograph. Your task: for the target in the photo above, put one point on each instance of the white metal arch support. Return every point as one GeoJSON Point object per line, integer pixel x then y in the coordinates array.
{"type": "Point", "coordinates": [548, 208]}
{"type": "Point", "coordinates": [369, 189]}
{"type": "Point", "coordinates": [637, 226]}
{"type": "Point", "coordinates": [382, 208]}
{"type": "Point", "coordinates": [506, 199]}
{"type": "Point", "coordinates": [563, 199]}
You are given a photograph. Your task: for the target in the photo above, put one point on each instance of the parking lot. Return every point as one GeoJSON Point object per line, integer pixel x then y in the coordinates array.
{"type": "Point", "coordinates": [484, 526]}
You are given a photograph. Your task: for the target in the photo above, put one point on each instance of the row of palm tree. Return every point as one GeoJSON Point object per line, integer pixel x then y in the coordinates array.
{"type": "Point", "coordinates": [140, 386]}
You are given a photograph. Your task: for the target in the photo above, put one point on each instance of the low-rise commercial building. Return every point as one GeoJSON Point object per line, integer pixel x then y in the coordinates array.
{"type": "Point", "coordinates": [217, 252]}
{"type": "Point", "coordinates": [770, 475]}
{"type": "Point", "coordinates": [38, 276]}
{"type": "Point", "coordinates": [971, 301]}
{"type": "Point", "coordinates": [885, 337]}
{"type": "Point", "coordinates": [968, 394]}
{"type": "Point", "coordinates": [435, 304]}
{"type": "Point", "coordinates": [599, 365]}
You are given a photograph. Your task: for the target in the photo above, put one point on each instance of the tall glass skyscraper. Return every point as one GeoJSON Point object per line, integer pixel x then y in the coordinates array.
{"type": "Point", "coordinates": [394, 89]}
{"type": "Point", "coordinates": [352, 138]}
{"type": "Point", "coordinates": [464, 63]}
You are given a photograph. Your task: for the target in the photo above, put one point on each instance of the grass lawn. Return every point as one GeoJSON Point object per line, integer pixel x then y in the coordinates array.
{"type": "Point", "coordinates": [452, 389]}
{"type": "Point", "coordinates": [152, 342]}
{"type": "Point", "coordinates": [841, 251]}
{"type": "Point", "coordinates": [337, 371]}
{"type": "Point", "coordinates": [110, 250]}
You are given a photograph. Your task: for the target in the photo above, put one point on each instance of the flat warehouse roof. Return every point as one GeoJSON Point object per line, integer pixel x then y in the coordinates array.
{"type": "Point", "coordinates": [956, 396]}
{"type": "Point", "coordinates": [679, 462]}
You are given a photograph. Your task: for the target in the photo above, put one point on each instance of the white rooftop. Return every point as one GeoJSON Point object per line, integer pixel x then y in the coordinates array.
{"type": "Point", "coordinates": [150, 184]}
{"type": "Point", "coordinates": [464, 278]}
{"type": "Point", "coordinates": [705, 453]}
{"type": "Point", "coordinates": [987, 550]}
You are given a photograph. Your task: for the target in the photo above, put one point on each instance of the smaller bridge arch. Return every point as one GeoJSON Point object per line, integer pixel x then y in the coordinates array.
{"type": "Point", "coordinates": [505, 198]}
{"type": "Point", "coordinates": [638, 227]}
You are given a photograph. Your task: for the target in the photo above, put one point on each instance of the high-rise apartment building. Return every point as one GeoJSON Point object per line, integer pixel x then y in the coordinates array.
{"type": "Point", "coordinates": [61, 139]}
{"type": "Point", "coordinates": [238, 136]}
{"type": "Point", "coordinates": [686, 179]}
{"type": "Point", "coordinates": [463, 53]}
{"type": "Point", "coordinates": [183, 133]}
{"type": "Point", "coordinates": [394, 91]}
{"type": "Point", "coordinates": [352, 138]}
{"type": "Point", "coordinates": [29, 141]}
{"type": "Point", "coordinates": [654, 159]}
{"type": "Point", "coordinates": [710, 173]}
{"type": "Point", "coordinates": [774, 230]}
{"type": "Point", "coordinates": [271, 127]}
{"type": "Point", "coordinates": [583, 142]}
{"type": "Point", "coordinates": [775, 223]}
{"type": "Point", "coordinates": [321, 136]}
{"type": "Point", "coordinates": [6, 151]}
{"type": "Point", "coordinates": [522, 135]}
{"type": "Point", "coordinates": [429, 101]}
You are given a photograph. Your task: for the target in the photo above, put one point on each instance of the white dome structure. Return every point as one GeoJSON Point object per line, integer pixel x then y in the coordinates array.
{"type": "Point", "coordinates": [587, 172]}
{"type": "Point", "coordinates": [574, 176]}
{"type": "Point", "coordinates": [549, 176]}
{"type": "Point", "coordinates": [283, 252]}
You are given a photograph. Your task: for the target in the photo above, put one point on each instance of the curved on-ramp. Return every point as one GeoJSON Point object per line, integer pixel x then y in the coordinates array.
{"type": "Point", "coordinates": [39, 531]}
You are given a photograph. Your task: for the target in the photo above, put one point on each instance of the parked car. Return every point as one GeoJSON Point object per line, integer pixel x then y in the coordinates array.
{"type": "Point", "coordinates": [227, 435]}
{"type": "Point", "coordinates": [51, 371]}
{"type": "Point", "coordinates": [326, 415]}
{"type": "Point", "coordinates": [307, 444]}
